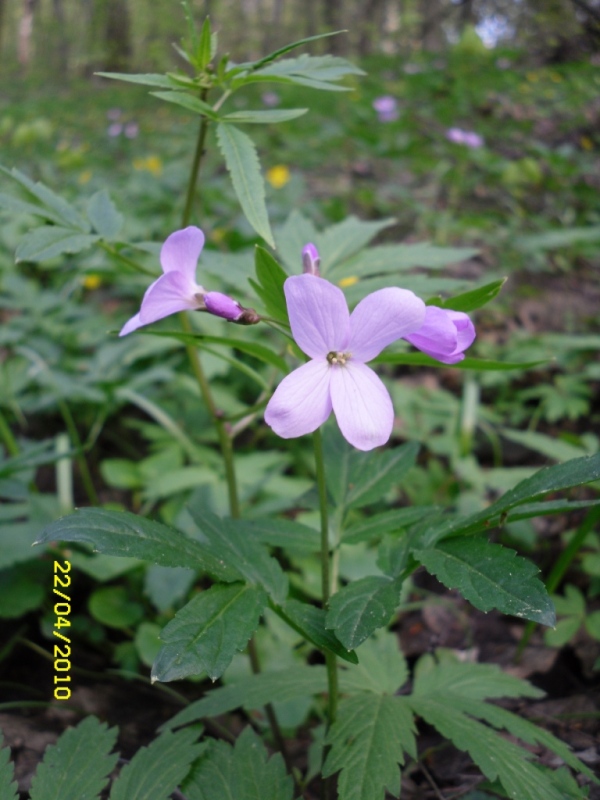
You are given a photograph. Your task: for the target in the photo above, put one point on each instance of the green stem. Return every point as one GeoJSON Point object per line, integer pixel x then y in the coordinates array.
{"type": "Point", "coordinates": [12, 448]}
{"type": "Point", "coordinates": [330, 659]}
{"type": "Point", "coordinates": [125, 260]}
{"type": "Point", "coordinates": [560, 567]}
{"type": "Point", "coordinates": [84, 471]}
{"type": "Point", "coordinates": [189, 198]}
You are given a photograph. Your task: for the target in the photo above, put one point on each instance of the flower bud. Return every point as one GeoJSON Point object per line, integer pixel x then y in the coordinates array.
{"type": "Point", "coordinates": [311, 260]}
{"type": "Point", "coordinates": [221, 305]}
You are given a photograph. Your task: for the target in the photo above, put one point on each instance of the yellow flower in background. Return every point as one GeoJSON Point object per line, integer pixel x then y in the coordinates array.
{"type": "Point", "coordinates": [85, 177]}
{"type": "Point", "coordinates": [278, 176]}
{"type": "Point", "coordinates": [151, 164]}
{"type": "Point", "coordinates": [349, 281]}
{"type": "Point", "coordinates": [92, 282]}
{"type": "Point", "coordinates": [586, 143]}
{"type": "Point", "coordinates": [218, 234]}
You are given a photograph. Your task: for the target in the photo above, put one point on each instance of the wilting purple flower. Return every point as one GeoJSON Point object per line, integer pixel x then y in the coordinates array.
{"type": "Point", "coordinates": [131, 130]}
{"type": "Point", "coordinates": [386, 108]}
{"type": "Point", "coordinates": [175, 290]}
{"type": "Point", "coordinates": [114, 129]}
{"type": "Point", "coordinates": [270, 99]}
{"type": "Point", "coordinates": [468, 138]}
{"type": "Point", "coordinates": [338, 344]}
{"type": "Point", "coordinates": [444, 335]}
{"type": "Point", "coordinates": [311, 260]}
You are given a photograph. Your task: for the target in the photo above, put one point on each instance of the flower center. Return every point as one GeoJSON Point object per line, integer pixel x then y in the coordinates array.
{"type": "Point", "coordinates": [338, 358]}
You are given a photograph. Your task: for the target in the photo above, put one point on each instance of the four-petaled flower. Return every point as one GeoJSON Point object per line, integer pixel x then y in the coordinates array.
{"type": "Point", "coordinates": [338, 344]}
{"type": "Point", "coordinates": [444, 335]}
{"type": "Point", "coordinates": [177, 290]}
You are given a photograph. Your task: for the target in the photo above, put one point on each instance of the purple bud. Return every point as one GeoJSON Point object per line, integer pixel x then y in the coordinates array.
{"type": "Point", "coordinates": [311, 260]}
{"type": "Point", "coordinates": [221, 305]}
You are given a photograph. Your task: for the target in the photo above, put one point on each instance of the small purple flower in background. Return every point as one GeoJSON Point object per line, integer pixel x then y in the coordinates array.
{"type": "Point", "coordinates": [444, 335]}
{"type": "Point", "coordinates": [177, 290]}
{"type": "Point", "coordinates": [311, 260]}
{"type": "Point", "coordinates": [113, 114]}
{"type": "Point", "coordinates": [115, 129]}
{"type": "Point", "coordinates": [386, 108]}
{"type": "Point", "coordinates": [131, 130]}
{"type": "Point", "coordinates": [338, 344]}
{"type": "Point", "coordinates": [468, 138]}
{"type": "Point", "coordinates": [270, 99]}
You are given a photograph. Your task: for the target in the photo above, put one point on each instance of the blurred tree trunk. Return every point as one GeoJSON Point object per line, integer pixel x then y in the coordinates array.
{"type": "Point", "coordinates": [312, 27]}
{"type": "Point", "coordinates": [2, 20]}
{"type": "Point", "coordinates": [332, 13]}
{"type": "Point", "coordinates": [62, 56]}
{"type": "Point", "coordinates": [432, 16]}
{"type": "Point", "coordinates": [25, 32]}
{"type": "Point", "coordinates": [117, 36]}
{"type": "Point", "coordinates": [369, 23]}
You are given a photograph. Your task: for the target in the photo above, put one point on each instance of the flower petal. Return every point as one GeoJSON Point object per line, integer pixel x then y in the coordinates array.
{"type": "Point", "coordinates": [133, 324]}
{"type": "Point", "coordinates": [181, 251]}
{"type": "Point", "coordinates": [221, 305]}
{"type": "Point", "coordinates": [381, 318]}
{"type": "Point", "coordinates": [301, 402]}
{"type": "Point", "coordinates": [318, 314]}
{"type": "Point", "coordinates": [464, 328]}
{"type": "Point", "coordinates": [168, 295]}
{"type": "Point", "coordinates": [437, 334]}
{"type": "Point", "coordinates": [362, 405]}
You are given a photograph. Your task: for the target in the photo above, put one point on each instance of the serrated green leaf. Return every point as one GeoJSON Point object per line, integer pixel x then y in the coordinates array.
{"type": "Point", "coordinates": [51, 241]}
{"type": "Point", "coordinates": [242, 163]}
{"type": "Point", "coordinates": [271, 278]}
{"type": "Point", "coordinates": [78, 765]}
{"type": "Point", "coordinates": [47, 197]}
{"type": "Point", "coordinates": [370, 481]}
{"type": "Point", "coordinates": [476, 298]}
{"type": "Point", "coordinates": [490, 576]}
{"type": "Point", "coordinates": [204, 49]}
{"type": "Point", "coordinates": [286, 49]}
{"type": "Point", "coordinates": [495, 756]}
{"type": "Point", "coordinates": [16, 206]}
{"type": "Point", "coordinates": [476, 681]}
{"type": "Point", "coordinates": [361, 607]}
{"type": "Point", "coordinates": [8, 786]}
{"type": "Point", "coordinates": [394, 520]}
{"type": "Point", "coordinates": [309, 621]}
{"type": "Point", "coordinates": [207, 632]}
{"type": "Point", "coordinates": [368, 741]}
{"type": "Point", "coordinates": [382, 668]}
{"type": "Point", "coordinates": [157, 770]}
{"type": "Point", "coordinates": [290, 536]}
{"type": "Point", "coordinates": [119, 533]}
{"type": "Point", "coordinates": [103, 215]}
{"type": "Point", "coordinates": [264, 116]}
{"type": "Point", "coordinates": [255, 691]}
{"type": "Point", "coordinates": [248, 557]}
{"type": "Point", "coordinates": [188, 101]}
{"type": "Point", "coordinates": [316, 71]}
{"type": "Point", "coordinates": [149, 79]}
{"type": "Point", "coordinates": [241, 772]}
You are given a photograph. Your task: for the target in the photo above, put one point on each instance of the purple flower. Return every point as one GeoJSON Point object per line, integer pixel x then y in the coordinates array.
{"type": "Point", "coordinates": [386, 108]}
{"type": "Point", "coordinates": [175, 290]}
{"type": "Point", "coordinates": [468, 138]}
{"type": "Point", "coordinates": [114, 129]}
{"type": "Point", "coordinates": [131, 130]}
{"type": "Point", "coordinates": [338, 344]}
{"type": "Point", "coordinates": [444, 335]}
{"type": "Point", "coordinates": [221, 305]}
{"type": "Point", "coordinates": [311, 260]}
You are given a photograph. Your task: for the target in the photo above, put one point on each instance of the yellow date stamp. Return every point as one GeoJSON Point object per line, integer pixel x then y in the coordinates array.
{"type": "Point", "coordinates": [62, 651]}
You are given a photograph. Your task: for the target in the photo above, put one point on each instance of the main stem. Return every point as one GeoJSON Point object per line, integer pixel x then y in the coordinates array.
{"type": "Point", "coordinates": [223, 433]}
{"type": "Point", "coordinates": [330, 659]}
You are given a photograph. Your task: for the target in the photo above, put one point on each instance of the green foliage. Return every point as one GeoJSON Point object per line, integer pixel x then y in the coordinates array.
{"type": "Point", "coordinates": [8, 787]}
{"type": "Point", "coordinates": [156, 771]}
{"type": "Point", "coordinates": [361, 607]}
{"type": "Point", "coordinates": [241, 772]}
{"type": "Point", "coordinates": [572, 613]}
{"type": "Point", "coordinates": [207, 632]}
{"type": "Point", "coordinates": [490, 576]}
{"type": "Point", "coordinates": [78, 765]}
